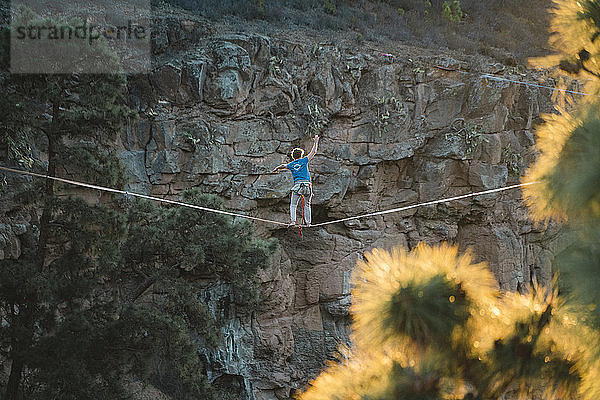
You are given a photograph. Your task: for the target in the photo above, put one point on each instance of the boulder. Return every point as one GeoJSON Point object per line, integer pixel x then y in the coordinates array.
{"type": "Point", "coordinates": [487, 176]}
{"type": "Point", "coordinates": [228, 80]}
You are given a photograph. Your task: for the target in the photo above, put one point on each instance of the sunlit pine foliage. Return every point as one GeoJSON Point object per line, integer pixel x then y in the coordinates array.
{"type": "Point", "coordinates": [431, 324]}
{"type": "Point", "coordinates": [575, 38]}
{"type": "Point", "coordinates": [353, 377]}
{"type": "Point", "coordinates": [568, 167]}
{"type": "Point", "coordinates": [395, 294]}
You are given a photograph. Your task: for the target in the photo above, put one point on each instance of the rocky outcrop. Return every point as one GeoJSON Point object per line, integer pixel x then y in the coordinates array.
{"type": "Point", "coordinates": [219, 111]}
{"type": "Point", "coordinates": [230, 107]}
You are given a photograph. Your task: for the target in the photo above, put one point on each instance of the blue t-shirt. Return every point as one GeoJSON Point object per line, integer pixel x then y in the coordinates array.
{"type": "Point", "coordinates": [299, 169]}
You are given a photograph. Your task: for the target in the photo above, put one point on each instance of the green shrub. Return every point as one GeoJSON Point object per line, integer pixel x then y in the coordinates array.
{"type": "Point", "coordinates": [329, 7]}
{"type": "Point", "coordinates": [452, 11]}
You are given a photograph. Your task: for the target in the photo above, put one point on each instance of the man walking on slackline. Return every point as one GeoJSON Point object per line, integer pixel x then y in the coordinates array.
{"type": "Point", "coordinates": [302, 184]}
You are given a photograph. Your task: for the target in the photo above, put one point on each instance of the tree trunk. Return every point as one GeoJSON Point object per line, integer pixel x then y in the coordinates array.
{"type": "Point", "coordinates": [48, 192]}
{"type": "Point", "coordinates": [14, 380]}
{"type": "Point", "coordinates": [27, 313]}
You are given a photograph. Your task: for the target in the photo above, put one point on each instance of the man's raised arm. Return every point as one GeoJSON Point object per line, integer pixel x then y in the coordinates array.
{"type": "Point", "coordinates": [313, 151]}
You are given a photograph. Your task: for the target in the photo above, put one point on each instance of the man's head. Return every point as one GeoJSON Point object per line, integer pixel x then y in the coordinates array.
{"type": "Point", "coordinates": [297, 153]}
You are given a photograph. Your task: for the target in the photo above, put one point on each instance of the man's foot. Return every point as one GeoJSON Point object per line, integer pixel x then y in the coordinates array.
{"type": "Point", "coordinates": [291, 223]}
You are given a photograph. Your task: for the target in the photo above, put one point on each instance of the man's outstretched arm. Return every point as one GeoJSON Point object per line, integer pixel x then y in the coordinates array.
{"type": "Point", "coordinates": [313, 151]}
{"type": "Point", "coordinates": [279, 168]}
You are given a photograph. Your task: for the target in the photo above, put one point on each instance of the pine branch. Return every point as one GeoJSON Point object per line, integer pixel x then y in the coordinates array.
{"type": "Point", "coordinates": [149, 281]}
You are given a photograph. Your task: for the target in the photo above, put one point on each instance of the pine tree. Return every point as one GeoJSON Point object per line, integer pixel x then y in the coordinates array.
{"type": "Point", "coordinates": [171, 251]}
{"type": "Point", "coordinates": [569, 164]}
{"type": "Point", "coordinates": [107, 293]}
{"type": "Point", "coordinates": [57, 267]}
{"type": "Point", "coordinates": [430, 324]}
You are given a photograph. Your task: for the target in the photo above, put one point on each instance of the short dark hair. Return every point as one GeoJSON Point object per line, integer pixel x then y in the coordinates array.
{"type": "Point", "coordinates": [297, 153]}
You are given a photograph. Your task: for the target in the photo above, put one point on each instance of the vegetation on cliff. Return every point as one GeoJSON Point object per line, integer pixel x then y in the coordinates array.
{"type": "Point", "coordinates": [502, 29]}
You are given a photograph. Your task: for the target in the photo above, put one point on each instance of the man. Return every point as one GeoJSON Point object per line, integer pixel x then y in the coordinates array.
{"type": "Point", "coordinates": [302, 183]}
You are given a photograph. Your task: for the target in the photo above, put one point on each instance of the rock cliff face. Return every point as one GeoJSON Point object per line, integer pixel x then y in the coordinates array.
{"type": "Point", "coordinates": [220, 110]}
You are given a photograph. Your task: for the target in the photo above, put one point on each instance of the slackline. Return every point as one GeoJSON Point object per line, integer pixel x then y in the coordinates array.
{"type": "Point", "coordinates": [179, 203]}
{"type": "Point", "coordinates": [143, 196]}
